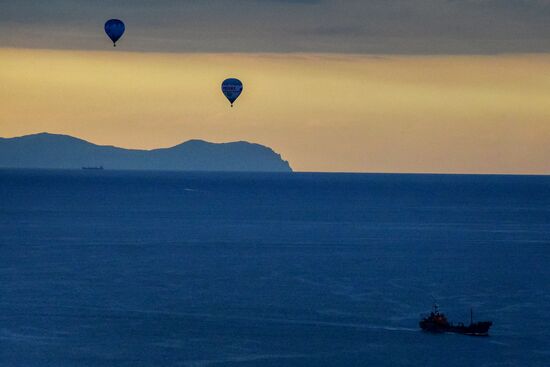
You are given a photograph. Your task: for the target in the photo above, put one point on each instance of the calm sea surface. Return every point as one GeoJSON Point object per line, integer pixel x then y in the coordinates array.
{"type": "Point", "coordinates": [101, 268]}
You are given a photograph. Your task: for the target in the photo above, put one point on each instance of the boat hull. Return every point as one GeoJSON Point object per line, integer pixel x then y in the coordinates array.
{"type": "Point", "coordinates": [475, 329]}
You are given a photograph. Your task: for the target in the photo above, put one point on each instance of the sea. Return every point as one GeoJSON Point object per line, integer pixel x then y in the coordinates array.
{"type": "Point", "coordinates": [128, 268]}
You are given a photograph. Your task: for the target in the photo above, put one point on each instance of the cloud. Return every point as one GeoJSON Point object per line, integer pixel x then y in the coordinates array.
{"type": "Point", "coordinates": [351, 26]}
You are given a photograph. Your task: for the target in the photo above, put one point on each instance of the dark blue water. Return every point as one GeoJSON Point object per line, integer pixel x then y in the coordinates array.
{"type": "Point", "coordinates": [195, 269]}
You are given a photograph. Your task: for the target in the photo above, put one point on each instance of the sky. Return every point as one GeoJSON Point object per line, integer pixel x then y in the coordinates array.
{"type": "Point", "coordinates": [442, 86]}
{"type": "Point", "coordinates": [341, 26]}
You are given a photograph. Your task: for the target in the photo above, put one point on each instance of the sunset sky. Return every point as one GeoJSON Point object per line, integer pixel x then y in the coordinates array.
{"type": "Point", "coordinates": [418, 86]}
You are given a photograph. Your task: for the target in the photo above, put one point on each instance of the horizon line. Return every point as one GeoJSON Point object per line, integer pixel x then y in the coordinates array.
{"type": "Point", "coordinates": [276, 152]}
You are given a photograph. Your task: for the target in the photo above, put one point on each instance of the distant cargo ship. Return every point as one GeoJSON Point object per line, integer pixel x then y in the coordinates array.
{"type": "Point", "coordinates": [93, 168]}
{"type": "Point", "coordinates": [436, 322]}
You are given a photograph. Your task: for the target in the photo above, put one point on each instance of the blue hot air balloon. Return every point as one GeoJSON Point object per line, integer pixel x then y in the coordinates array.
{"type": "Point", "coordinates": [114, 29]}
{"type": "Point", "coordinates": [232, 89]}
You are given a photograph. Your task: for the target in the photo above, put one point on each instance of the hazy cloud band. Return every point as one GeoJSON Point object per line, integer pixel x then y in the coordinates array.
{"type": "Point", "coordinates": [351, 26]}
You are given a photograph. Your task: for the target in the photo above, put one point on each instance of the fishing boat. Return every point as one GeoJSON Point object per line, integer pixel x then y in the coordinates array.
{"type": "Point", "coordinates": [436, 322]}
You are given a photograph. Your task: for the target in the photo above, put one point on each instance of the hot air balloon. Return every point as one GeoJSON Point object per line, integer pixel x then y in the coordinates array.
{"type": "Point", "coordinates": [232, 89]}
{"type": "Point", "coordinates": [114, 29]}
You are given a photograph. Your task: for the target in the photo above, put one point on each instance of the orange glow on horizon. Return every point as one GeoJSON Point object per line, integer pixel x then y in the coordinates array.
{"type": "Point", "coordinates": [460, 114]}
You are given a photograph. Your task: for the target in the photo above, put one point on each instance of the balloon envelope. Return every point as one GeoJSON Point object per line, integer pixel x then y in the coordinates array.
{"type": "Point", "coordinates": [232, 89]}
{"type": "Point", "coordinates": [114, 29]}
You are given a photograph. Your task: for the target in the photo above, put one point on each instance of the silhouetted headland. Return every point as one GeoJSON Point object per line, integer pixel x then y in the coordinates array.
{"type": "Point", "coordinates": [46, 150]}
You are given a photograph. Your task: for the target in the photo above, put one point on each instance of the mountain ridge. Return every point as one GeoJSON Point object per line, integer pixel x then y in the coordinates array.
{"type": "Point", "coordinates": [46, 150]}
